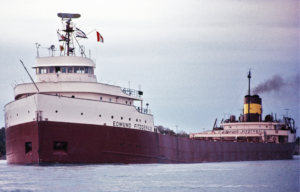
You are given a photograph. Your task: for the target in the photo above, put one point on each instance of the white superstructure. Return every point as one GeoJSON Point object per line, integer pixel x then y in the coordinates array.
{"type": "Point", "coordinates": [67, 91]}
{"type": "Point", "coordinates": [250, 127]}
{"type": "Point", "coordinates": [266, 132]}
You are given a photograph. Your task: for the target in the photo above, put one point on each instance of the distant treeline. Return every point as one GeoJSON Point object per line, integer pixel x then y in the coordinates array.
{"type": "Point", "coordinates": [2, 142]}
{"type": "Point", "coordinates": [167, 131]}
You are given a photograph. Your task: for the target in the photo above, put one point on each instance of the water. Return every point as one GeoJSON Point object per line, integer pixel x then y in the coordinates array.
{"type": "Point", "coordinates": [280, 175]}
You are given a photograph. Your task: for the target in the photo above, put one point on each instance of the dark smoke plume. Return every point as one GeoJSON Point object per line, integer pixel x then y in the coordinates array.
{"type": "Point", "coordinates": [274, 84]}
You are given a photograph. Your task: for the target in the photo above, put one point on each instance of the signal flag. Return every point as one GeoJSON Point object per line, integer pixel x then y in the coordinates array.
{"type": "Point", "coordinates": [61, 37]}
{"type": "Point", "coordinates": [99, 37]}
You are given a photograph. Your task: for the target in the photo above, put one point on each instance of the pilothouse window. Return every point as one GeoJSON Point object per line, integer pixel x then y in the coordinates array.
{"type": "Point", "coordinates": [57, 70]}
{"type": "Point", "coordinates": [90, 70]}
{"type": "Point", "coordinates": [42, 70]}
{"type": "Point", "coordinates": [63, 69]}
{"type": "Point", "coordinates": [51, 70]}
{"type": "Point", "coordinates": [76, 70]}
{"type": "Point", "coordinates": [81, 69]}
{"type": "Point", "coordinates": [70, 69]}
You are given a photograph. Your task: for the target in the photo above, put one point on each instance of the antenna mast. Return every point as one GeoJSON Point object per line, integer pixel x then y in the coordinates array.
{"type": "Point", "coordinates": [69, 28]}
{"type": "Point", "coordinates": [249, 97]}
{"type": "Point", "coordinates": [37, 48]}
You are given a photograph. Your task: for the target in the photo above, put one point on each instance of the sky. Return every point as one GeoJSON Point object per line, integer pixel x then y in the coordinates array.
{"type": "Point", "coordinates": [190, 58]}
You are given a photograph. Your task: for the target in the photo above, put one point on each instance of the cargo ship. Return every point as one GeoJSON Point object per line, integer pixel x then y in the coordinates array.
{"type": "Point", "coordinates": [66, 116]}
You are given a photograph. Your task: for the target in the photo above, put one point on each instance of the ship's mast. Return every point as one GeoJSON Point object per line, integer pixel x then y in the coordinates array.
{"type": "Point", "coordinates": [249, 77]}
{"type": "Point", "coordinates": [69, 29]}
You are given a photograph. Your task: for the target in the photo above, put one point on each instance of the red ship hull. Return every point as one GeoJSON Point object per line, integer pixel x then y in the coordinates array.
{"type": "Point", "coordinates": [104, 144]}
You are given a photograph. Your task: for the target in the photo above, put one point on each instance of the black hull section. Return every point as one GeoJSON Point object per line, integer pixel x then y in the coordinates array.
{"type": "Point", "coordinates": [56, 142]}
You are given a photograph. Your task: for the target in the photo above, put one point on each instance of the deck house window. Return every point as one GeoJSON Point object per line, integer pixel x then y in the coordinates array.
{"type": "Point", "coordinates": [81, 69]}
{"type": "Point", "coordinates": [90, 70]}
{"type": "Point", "coordinates": [70, 69]}
{"type": "Point", "coordinates": [42, 70]}
{"type": "Point", "coordinates": [57, 70]}
{"type": "Point", "coordinates": [51, 69]}
{"type": "Point", "coordinates": [63, 69]}
{"type": "Point", "coordinates": [86, 70]}
{"type": "Point", "coordinates": [76, 70]}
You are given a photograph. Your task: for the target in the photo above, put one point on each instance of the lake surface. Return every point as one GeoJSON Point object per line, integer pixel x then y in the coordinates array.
{"type": "Point", "coordinates": [279, 175]}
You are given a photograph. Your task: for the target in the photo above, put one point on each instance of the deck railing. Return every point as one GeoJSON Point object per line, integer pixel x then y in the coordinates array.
{"type": "Point", "coordinates": [139, 109]}
{"type": "Point", "coordinates": [132, 92]}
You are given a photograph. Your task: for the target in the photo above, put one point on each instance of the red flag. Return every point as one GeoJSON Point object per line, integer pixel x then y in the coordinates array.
{"type": "Point", "coordinates": [99, 37]}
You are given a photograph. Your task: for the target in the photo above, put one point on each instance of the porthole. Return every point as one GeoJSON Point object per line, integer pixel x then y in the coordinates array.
{"type": "Point", "coordinates": [126, 102]}
{"type": "Point", "coordinates": [99, 115]}
{"type": "Point", "coordinates": [112, 117]}
{"type": "Point", "coordinates": [28, 111]}
{"type": "Point", "coordinates": [56, 111]}
{"type": "Point", "coordinates": [17, 115]}
{"type": "Point", "coordinates": [101, 98]}
{"type": "Point", "coordinates": [130, 103]}
{"type": "Point", "coordinates": [73, 96]}
{"type": "Point", "coordinates": [129, 119]}
{"type": "Point", "coordinates": [109, 99]}
{"type": "Point", "coordinates": [140, 120]}
{"type": "Point", "coordinates": [136, 120]}
{"type": "Point", "coordinates": [145, 121]}
{"type": "Point", "coordinates": [121, 118]}
{"type": "Point", "coordinates": [81, 113]}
